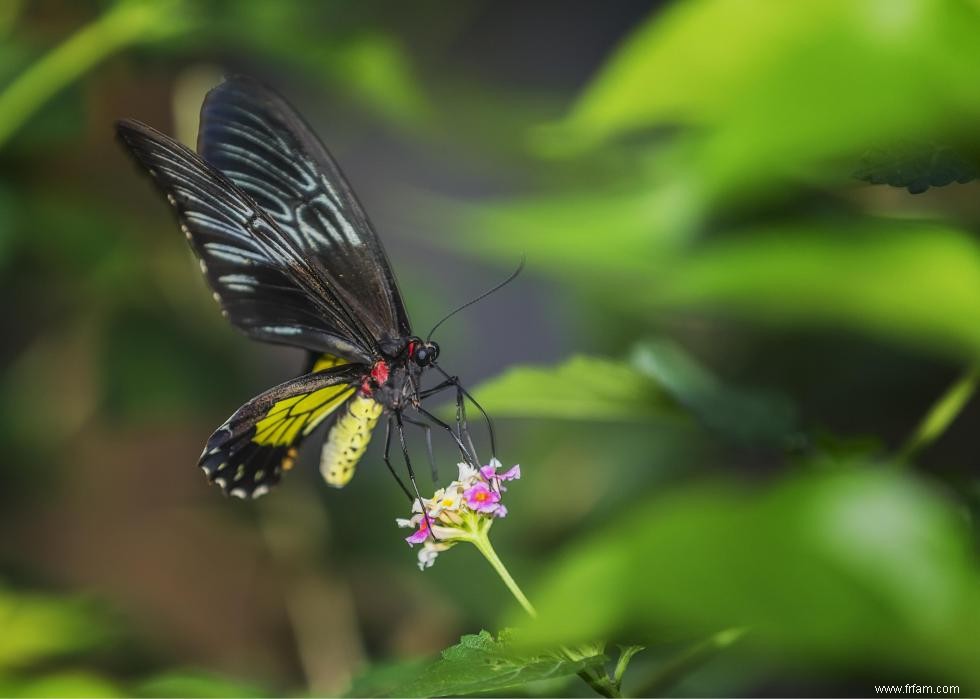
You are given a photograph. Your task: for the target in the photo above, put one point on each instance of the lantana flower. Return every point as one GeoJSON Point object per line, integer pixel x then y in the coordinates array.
{"type": "Point", "coordinates": [462, 511]}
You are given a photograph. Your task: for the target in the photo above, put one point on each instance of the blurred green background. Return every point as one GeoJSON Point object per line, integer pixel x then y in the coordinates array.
{"type": "Point", "coordinates": [737, 371]}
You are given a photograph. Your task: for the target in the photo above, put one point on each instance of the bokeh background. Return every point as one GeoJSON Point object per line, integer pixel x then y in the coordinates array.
{"type": "Point", "coordinates": [737, 370]}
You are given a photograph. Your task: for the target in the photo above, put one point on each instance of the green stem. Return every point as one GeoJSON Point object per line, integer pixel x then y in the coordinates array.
{"type": "Point", "coordinates": [124, 24]}
{"type": "Point", "coordinates": [942, 414]}
{"type": "Point", "coordinates": [482, 542]}
{"type": "Point", "coordinates": [602, 685]}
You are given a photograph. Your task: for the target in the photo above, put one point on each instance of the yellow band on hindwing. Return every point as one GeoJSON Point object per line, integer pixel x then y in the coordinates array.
{"type": "Point", "coordinates": [291, 416]}
{"type": "Point", "coordinates": [348, 439]}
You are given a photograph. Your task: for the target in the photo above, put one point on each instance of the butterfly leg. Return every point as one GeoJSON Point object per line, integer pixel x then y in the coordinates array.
{"type": "Point", "coordinates": [462, 426]}
{"type": "Point", "coordinates": [428, 446]}
{"type": "Point", "coordinates": [435, 389]}
{"type": "Point", "coordinates": [468, 456]}
{"type": "Point", "coordinates": [387, 460]}
{"type": "Point", "coordinates": [462, 429]}
{"type": "Point", "coordinates": [411, 472]}
{"type": "Point", "coordinates": [454, 381]}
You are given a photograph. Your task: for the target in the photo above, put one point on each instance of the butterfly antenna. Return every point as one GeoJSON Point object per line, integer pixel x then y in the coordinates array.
{"type": "Point", "coordinates": [482, 296]}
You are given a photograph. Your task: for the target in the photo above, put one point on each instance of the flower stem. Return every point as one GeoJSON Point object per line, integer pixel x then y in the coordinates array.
{"type": "Point", "coordinates": [603, 686]}
{"type": "Point", "coordinates": [123, 24]}
{"type": "Point", "coordinates": [482, 543]}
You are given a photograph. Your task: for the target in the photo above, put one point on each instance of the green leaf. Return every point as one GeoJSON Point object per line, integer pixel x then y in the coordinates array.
{"type": "Point", "coordinates": [917, 283]}
{"type": "Point", "coordinates": [558, 231]}
{"type": "Point", "coordinates": [626, 654]}
{"type": "Point", "coordinates": [581, 388]}
{"type": "Point", "coordinates": [916, 167]}
{"type": "Point", "coordinates": [481, 663]}
{"type": "Point", "coordinates": [741, 414]}
{"type": "Point", "coordinates": [660, 382]}
{"type": "Point", "coordinates": [859, 568]}
{"type": "Point", "coordinates": [380, 679]}
{"type": "Point", "coordinates": [776, 88]}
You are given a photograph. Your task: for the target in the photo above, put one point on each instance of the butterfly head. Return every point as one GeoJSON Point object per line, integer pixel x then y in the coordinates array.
{"type": "Point", "coordinates": [423, 353]}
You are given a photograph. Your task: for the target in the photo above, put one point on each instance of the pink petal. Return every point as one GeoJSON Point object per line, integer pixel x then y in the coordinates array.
{"type": "Point", "coordinates": [480, 498]}
{"type": "Point", "coordinates": [511, 474]}
{"type": "Point", "coordinates": [420, 535]}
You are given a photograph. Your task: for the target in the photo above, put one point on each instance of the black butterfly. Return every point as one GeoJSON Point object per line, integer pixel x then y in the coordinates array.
{"type": "Point", "coordinates": [292, 259]}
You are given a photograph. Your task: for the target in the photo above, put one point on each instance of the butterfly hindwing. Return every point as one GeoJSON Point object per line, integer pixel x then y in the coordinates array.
{"type": "Point", "coordinates": [261, 144]}
{"type": "Point", "coordinates": [248, 453]}
{"type": "Point", "coordinates": [262, 285]}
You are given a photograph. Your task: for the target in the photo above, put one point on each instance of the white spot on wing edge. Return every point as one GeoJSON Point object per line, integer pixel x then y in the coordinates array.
{"type": "Point", "coordinates": [239, 493]}
{"type": "Point", "coordinates": [260, 491]}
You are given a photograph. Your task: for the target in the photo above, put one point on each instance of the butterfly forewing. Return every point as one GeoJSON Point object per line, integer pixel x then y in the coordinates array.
{"type": "Point", "coordinates": [264, 287]}
{"type": "Point", "coordinates": [259, 142]}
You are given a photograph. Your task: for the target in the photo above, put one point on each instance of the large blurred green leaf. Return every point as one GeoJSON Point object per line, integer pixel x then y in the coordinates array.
{"type": "Point", "coordinates": [591, 235]}
{"type": "Point", "coordinates": [480, 663]}
{"type": "Point", "coordinates": [660, 382]}
{"type": "Point", "coordinates": [582, 388]}
{"type": "Point", "coordinates": [746, 415]}
{"type": "Point", "coordinates": [776, 87]}
{"type": "Point", "coordinates": [914, 282]}
{"type": "Point", "coordinates": [857, 567]}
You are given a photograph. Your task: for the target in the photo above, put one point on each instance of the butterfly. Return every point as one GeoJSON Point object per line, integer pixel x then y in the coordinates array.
{"type": "Point", "coordinates": [293, 259]}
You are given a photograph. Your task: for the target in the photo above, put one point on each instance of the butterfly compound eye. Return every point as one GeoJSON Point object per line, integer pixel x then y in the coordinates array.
{"type": "Point", "coordinates": [426, 353]}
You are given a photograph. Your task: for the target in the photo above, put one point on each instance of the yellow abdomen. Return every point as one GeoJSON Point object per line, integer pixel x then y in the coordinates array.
{"type": "Point", "coordinates": [348, 439]}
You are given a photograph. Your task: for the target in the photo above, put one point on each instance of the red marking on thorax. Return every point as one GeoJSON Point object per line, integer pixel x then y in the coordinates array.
{"type": "Point", "coordinates": [379, 372]}
{"type": "Point", "coordinates": [411, 349]}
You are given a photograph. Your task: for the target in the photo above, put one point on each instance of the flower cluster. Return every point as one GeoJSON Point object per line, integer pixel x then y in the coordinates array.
{"type": "Point", "coordinates": [462, 511]}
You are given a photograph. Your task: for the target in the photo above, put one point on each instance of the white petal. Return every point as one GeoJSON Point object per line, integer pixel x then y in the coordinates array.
{"type": "Point", "coordinates": [466, 472]}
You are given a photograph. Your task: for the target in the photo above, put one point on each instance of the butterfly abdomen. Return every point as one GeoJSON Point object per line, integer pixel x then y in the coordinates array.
{"type": "Point", "coordinates": [348, 440]}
